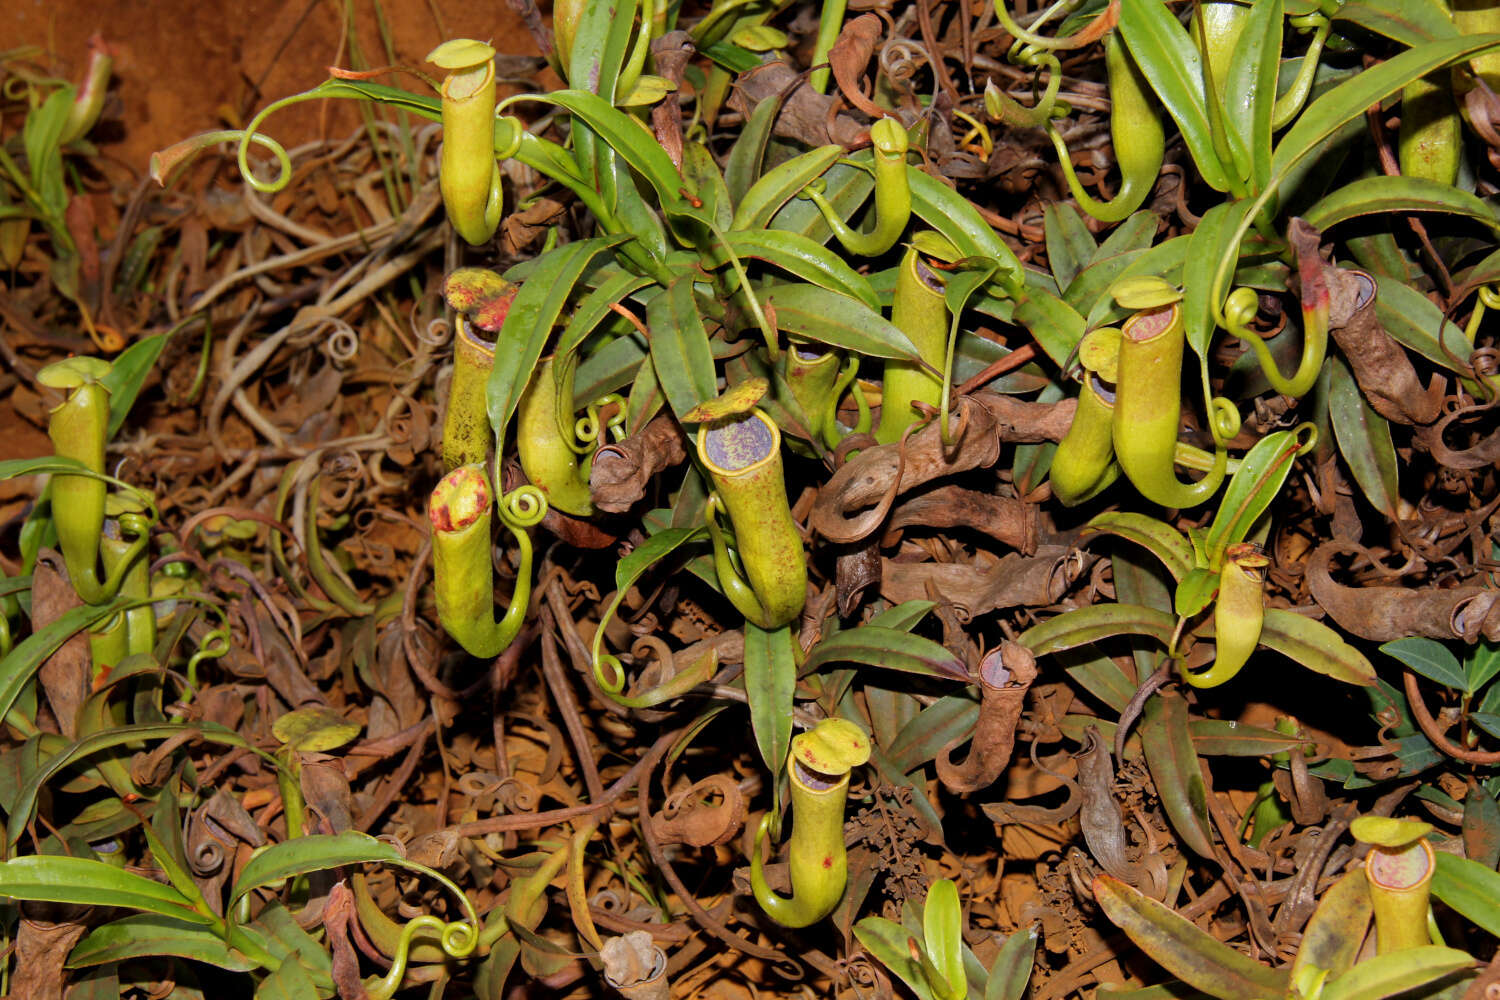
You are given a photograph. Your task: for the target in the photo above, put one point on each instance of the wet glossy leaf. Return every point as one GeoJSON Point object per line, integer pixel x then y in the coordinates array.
{"type": "Point", "coordinates": [1316, 646]}
{"type": "Point", "coordinates": [634, 144]}
{"type": "Point", "coordinates": [1249, 92]}
{"type": "Point", "coordinates": [1096, 622]}
{"type": "Point", "coordinates": [1173, 762]}
{"type": "Point", "coordinates": [1227, 738]}
{"type": "Point", "coordinates": [1410, 22]}
{"type": "Point", "coordinates": [1190, 954]}
{"type": "Point", "coordinates": [780, 185]}
{"type": "Point", "coordinates": [956, 218]}
{"type": "Point", "coordinates": [770, 683]}
{"type": "Point", "coordinates": [942, 936]}
{"type": "Point", "coordinates": [1100, 676]}
{"type": "Point", "coordinates": [1207, 244]}
{"type": "Point", "coordinates": [1196, 592]}
{"type": "Point", "coordinates": [1170, 62]}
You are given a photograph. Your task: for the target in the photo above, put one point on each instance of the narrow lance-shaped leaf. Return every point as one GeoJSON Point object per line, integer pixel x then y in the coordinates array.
{"type": "Point", "coordinates": [770, 683]}
{"type": "Point", "coordinates": [1173, 762]}
{"type": "Point", "coordinates": [680, 352]}
{"type": "Point", "coordinates": [529, 323]}
{"type": "Point", "coordinates": [1192, 955]}
{"type": "Point", "coordinates": [1095, 622]}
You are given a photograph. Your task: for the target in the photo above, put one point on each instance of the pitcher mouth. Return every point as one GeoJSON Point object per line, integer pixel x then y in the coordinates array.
{"type": "Point", "coordinates": [739, 444]}
{"type": "Point", "coordinates": [1150, 324]}
{"type": "Point", "coordinates": [817, 781]}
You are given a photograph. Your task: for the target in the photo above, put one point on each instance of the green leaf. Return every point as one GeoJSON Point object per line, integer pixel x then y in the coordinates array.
{"type": "Point", "coordinates": [1174, 769]}
{"type": "Point", "coordinates": [1192, 955]}
{"type": "Point", "coordinates": [127, 374]}
{"type": "Point", "coordinates": [1323, 120]}
{"type": "Point", "coordinates": [805, 259]}
{"type": "Point", "coordinates": [1364, 438]}
{"type": "Point", "coordinates": [42, 137]}
{"type": "Point", "coordinates": [634, 144]}
{"type": "Point", "coordinates": [1337, 927]}
{"type": "Point", "coordinates": [1101, 677]}
{"type": "Point", "coordinates": [1257, 482]}
{"type": "Point", "coordinates": [1083, 626]}
{"type": "Point", "coordinates": [770, 684]}
{"type": "Point", "coordinates": [143, 935]}
{"type": "Point", "coordinates": [1429, 658]}
{"type": "Point", "coordinates": [23, 661]}
{"type": "Point", "coordinates": [1012, 967]}
{"type": "Point", "coordinates": [1250, 90]}
{"type": "Point", "coordinates": [1070, 245]}
{"type": "Point", "coordinates": [595, 307]}
{"type": "Point", "coordinates": [1481, 665]}
{"type": "Point", "coordinates": [601, 42]}
{"type": "Point", "coordinates": [20, 814]}
{"type": "Point", "coordinates": [1210, 240]}
{"type": "Point", "coordinates": [1415, 322]}
{"type": "Point", "coordinates": [887, 941]}
{"type": "Point", "coordinates": [289, 982]}
{"type": "Point", "coordinates": [1469, 888]}
{"type": "Point", "coordinates": [1170, 62]}
{"type": "Point", "coordinates": [941, 724]}
{"type": "Point", "coordinates": [1410, 22]}
{"type": "Point", "coordinates": [903, 617]}
{"type": "Point", "coordinates": [312, 853]}
{"type": "Point", "coordinates": [1226, 738]}
{"type": "Point", "coordinates": [1316, 646]}
{"type": "Point", "coordinates": [885, 647]}
{"type": "Point", "coordinates": [749, 150]}
{"type": "Point", "coordinates": [1379, 194]}
{"type": "Point", "coordinates": [942, 937]}
{"type": "Point", "coordinates": [837, 320]}
{"type": "Point", "coordinates": [1386, 975]}
{"type": "Point", "coordinates": [1056, 326]}
{"type": "Point", "coordinates": [956, 219]}
{"type": "Point", "coordinates": [780, 185]}
{"type": "Point", "coordinates": [1157, 537]}
{"type": "Point", "coordinates": [1196, 591]}
{"type": "Point", "coordinates": [87, 882]}
{"type": "Point", "coordinates": [530, 321]}
{"type": "Point", "coordinates": [680, 352]}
